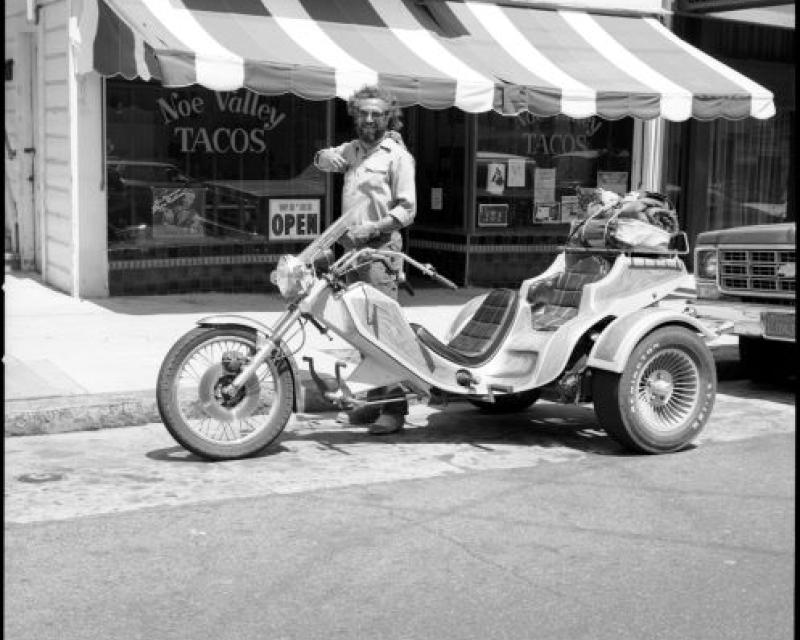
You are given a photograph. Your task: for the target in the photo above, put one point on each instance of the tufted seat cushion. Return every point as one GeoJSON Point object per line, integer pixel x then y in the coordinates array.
{"type": "Point", "coordinates": [556, 300]}
{"type": "Point", "coordinates": [483, 333]}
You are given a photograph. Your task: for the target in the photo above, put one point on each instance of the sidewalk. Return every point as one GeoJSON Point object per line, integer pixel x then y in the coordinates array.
{"type": "Point", "coordinates": [75, 365]}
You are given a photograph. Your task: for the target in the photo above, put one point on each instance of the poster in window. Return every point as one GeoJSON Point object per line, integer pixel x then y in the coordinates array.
{"type": "Point", "coordinates": [493, 215]}
{"type": "Point", "coordinates": [516, 173]}
{"type": "Point", "coordinates": [544, 185]}
{"type": "Point", "coordinates": [178, 211]}
{"type": "Point", "coordinates": [546, 212]}
{"type": "Point", "coordinates": [570, 208]}
{"type": "Point", "coordinates": [496, 178]}
{"type": "Point", "coordinates": [616, 181]}
{"type": "Point", "coordinates": [436, 198]}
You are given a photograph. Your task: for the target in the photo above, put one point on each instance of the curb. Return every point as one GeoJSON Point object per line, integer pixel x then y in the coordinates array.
{"type": "Point", "coordinates": [65, 414]}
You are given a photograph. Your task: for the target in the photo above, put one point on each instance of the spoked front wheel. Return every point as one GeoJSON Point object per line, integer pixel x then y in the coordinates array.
{"type": "Point", "coordinates": [197, 408]}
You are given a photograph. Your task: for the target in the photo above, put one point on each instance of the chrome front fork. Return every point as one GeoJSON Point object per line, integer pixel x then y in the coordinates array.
{"type": "Point", "coordinates": [266, 349]}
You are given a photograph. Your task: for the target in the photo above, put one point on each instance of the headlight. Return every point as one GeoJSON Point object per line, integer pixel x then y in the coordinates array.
{"type": "Point", "coordinates": [291, 276]}
{"type": "Point", "coordinates": [706, 264]}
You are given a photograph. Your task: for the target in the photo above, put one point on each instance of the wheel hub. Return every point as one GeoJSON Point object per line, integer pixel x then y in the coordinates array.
{"type": "Point", "coordinates": [659, 387]}
{"type": "Point", "coordinates": [216, 401]}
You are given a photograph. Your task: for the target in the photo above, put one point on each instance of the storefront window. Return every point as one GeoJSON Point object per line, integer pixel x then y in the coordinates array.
{"type": "Point", "coordinates": [726, 173]}
{"type": "Point", "coordinates": [437, 139]}
{"type": "Point", "coordinates": [749, 171]}
{"type": "Point", "coordinates": [191, 166]}
{"type": "Point", "coordinates": [530, 170]}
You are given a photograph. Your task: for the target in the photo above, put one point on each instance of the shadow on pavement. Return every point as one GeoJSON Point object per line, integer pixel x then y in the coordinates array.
{"type": "Point", "coordinates": [546, 426]}
{"type": "Point", "coordinates": [179, 454]}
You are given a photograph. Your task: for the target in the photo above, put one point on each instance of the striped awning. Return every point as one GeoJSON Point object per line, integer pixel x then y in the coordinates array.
{"type": "Point", "coordinates": [474, 55]}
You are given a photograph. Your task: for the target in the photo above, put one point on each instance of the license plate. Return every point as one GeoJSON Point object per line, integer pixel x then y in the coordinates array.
{"type": "Point", "coordinates": [778, 325]}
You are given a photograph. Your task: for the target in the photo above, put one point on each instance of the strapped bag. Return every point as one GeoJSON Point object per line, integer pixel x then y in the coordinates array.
{"type": "Point", "coordinates": [641, 221]}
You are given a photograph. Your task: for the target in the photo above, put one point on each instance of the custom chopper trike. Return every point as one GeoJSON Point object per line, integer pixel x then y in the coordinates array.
{"type": "Point", "coordinates": [588, 329]}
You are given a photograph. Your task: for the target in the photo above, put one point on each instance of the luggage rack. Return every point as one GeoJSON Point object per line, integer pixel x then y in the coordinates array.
{"type": "Point", "coordinates": [679, 238]}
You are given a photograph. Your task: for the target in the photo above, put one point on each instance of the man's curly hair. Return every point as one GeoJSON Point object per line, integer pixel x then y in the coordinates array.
{"type": "Point", "coordinates": [395, 120]}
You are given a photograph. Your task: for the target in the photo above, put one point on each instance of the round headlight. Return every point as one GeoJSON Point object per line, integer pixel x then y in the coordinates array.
{"type": "Point", "coordinates": [291, 276]}
{"type": "Point", "coordinates": [707, 264]}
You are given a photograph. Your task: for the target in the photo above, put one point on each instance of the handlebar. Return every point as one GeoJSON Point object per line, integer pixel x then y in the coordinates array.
{"type": "Point", "coordinates": [377, 254]}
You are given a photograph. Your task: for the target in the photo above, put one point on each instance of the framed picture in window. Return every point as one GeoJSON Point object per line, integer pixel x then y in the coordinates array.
{"type": "Point", "coordinates": [178, 211]}
{"type": "Point", "coordinates": [493, 215]}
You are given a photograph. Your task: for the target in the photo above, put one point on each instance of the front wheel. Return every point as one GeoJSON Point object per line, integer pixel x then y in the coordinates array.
{"type": "Point", "coordinates": [194, 405]}
{"type": "Point", "coordinates": [663, 398]}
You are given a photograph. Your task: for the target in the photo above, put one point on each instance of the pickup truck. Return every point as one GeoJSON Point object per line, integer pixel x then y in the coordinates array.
{"type": "Point", "coordinates": [746, 276]}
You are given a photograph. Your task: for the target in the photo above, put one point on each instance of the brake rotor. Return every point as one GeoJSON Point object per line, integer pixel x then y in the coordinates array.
{"type": "Point", "coordinates": [220, 406]}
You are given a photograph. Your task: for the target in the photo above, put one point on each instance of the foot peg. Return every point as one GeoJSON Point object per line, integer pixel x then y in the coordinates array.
{"type": "Point", "coordinates": [335, 392]}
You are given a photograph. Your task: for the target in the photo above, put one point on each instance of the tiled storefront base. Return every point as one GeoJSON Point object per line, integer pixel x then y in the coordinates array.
{"type": "Point", "coordinates": [486, 260]}
{"type": "Point", "coordinates": [159, 271]}
{"type": "Point", "coordinates": [232, 278]}
{"type": "Point", "coordinates": [506, 270]}
{"type": "Point", "coordinates": [500, 260]}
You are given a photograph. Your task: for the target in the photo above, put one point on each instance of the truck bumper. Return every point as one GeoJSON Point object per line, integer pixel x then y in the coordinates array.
{"type": "Point", "coordinates": [772, 322]}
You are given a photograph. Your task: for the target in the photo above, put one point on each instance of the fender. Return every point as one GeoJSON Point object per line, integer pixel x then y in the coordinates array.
{"type": "Point", "coordinates": [618, 339]}
{"type": "Point", "coordinates": [261, 329]}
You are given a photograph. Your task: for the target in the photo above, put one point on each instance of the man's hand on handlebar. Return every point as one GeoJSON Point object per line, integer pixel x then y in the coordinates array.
{"type": "Point", "coordinates": [365, 232]}
{"type": "Point", "coordinates": [381, 254]}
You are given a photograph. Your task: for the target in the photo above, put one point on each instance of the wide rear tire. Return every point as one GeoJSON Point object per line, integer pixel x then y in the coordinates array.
{"type": "Point", "coordinates": [196, 411]}
{"type": "Point", "coordinates": [663, 398]}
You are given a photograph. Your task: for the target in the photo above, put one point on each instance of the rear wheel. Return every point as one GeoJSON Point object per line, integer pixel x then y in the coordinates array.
{"type": "Point", "coordinates": [663, 398]}
{"type": "Point", "coordinates": [510, 402]}
{"type": "Point", "coordinates": [199, 412]}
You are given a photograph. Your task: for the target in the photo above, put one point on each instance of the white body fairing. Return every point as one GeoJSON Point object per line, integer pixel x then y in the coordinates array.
{"type": "Point", "coordinates": [527, 358]}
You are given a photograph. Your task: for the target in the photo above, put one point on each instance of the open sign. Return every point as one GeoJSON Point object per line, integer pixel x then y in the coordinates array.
{"type": "Point", "coordinates": [293, 219]}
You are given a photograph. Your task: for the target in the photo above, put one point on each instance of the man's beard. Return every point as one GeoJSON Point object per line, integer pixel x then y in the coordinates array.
{"type": "Point", "coordinates": [370, 134]}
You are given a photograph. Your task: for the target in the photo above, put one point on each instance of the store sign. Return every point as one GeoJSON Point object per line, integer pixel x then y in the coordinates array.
{"type": "Point", "coordinates": [558, 143]}
{"type": "Point", "coordinates": [293, 219]}
{"type": "Point", "coordinates": [176, 109]}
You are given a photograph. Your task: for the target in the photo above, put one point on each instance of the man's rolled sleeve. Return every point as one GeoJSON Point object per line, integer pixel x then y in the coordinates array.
{"type": "Point", "coordinates": [404, 189]}
{"type": "Point", "coordinates": [340, 150]}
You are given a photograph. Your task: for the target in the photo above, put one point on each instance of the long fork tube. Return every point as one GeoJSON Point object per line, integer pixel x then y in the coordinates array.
{"type": "Point", "coordinates": [272, 343]}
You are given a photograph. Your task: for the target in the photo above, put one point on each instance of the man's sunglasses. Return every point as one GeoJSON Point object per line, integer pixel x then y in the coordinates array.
{"type": "Point", "coordinates": [363, 115]}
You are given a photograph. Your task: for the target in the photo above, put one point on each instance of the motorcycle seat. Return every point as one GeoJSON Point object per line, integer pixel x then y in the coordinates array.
{"type": "Point", "coordinates": [556, 300]}
{"type": "Point", "coordinates": [481, 336]}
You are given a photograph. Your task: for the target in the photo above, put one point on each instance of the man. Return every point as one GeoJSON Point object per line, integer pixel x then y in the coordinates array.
{"type": "Point", "coordinates": [379, 184]}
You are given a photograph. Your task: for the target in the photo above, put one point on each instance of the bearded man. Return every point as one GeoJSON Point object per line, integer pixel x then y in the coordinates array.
{"type": "Point", "coordinates": [378, 183]}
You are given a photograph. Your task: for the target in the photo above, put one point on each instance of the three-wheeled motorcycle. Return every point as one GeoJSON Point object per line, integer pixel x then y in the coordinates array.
{"type": "Point", "coordinates": [588, 329]}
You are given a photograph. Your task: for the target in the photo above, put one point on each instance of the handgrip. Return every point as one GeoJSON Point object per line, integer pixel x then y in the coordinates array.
{"type": "Point", "coordinates": [439, 278]}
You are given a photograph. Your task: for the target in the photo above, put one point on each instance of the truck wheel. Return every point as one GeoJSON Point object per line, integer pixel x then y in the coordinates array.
{"type": "Point", "coordinates": [509, 403]}
{"type": "Point", "coordinates": [663, 398]}
{"type": "Point", "coordinates": [767, 360]}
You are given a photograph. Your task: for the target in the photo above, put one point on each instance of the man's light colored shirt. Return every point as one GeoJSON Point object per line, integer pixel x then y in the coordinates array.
{"type": "Point", "coordinates": [384, 173]}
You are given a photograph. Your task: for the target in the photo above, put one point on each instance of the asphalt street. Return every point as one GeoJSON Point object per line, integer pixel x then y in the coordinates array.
{"type": "Point", "coordinates": [462, 526]}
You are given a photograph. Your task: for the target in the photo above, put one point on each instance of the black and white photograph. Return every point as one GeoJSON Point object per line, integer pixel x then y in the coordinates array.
{"type": "Point", "coordinates": [400, 320]}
